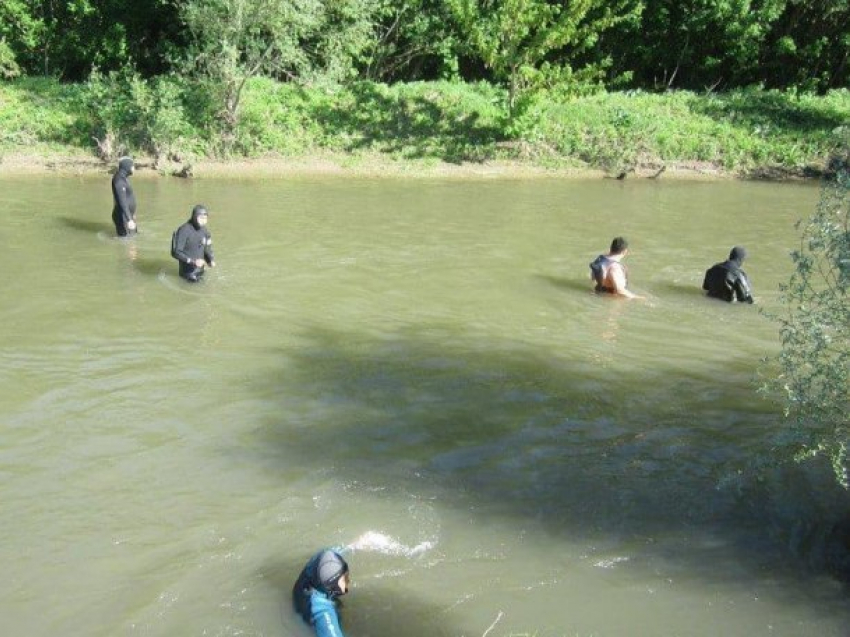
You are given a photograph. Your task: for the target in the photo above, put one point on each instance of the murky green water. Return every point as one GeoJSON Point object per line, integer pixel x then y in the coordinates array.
{"type": "Point", "coordinates": [419, 361]}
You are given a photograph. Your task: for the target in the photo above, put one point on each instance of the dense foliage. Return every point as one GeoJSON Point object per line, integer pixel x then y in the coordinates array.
{"type": "Point", "coordinates": [693, 44]}
{"type": "Point", "coordinates": [815, 331]}
{"type": "Point", "coordinates": [531, 43]}
{"type": "Point", "coordinates": [66, 38]}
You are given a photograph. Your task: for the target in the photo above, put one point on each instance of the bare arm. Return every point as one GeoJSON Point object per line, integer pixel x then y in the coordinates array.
{"type": "Point", "coordinates": [617, 276]}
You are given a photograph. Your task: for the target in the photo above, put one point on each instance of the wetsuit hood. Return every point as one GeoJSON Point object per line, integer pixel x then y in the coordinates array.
{"type": "Point", "coordinates": [330, 567]}
{"type": "Point", "coordinates": [125, 165]}
{"type": "Point", "coordinates": [738, 254]}
{"type": "Point", "coordinates": [197, 211]}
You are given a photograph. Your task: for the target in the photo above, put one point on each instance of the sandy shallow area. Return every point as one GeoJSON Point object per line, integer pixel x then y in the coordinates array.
{"type": "Point", "coordinates": [18, 163]}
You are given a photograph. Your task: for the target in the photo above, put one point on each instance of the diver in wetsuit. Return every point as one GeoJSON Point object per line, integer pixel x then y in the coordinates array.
{"type": "Point", "coordinates": [191, 245]}
{"type": "Point", "coordinates": [727, 281]}
{"type": "Point", "coordinates": [323, 580]}
{"type": "Point", "coordinates": [124, 210]}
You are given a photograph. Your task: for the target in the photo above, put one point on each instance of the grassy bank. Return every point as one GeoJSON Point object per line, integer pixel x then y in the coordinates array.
{"type": "Point", "coordinates": [750, 132]}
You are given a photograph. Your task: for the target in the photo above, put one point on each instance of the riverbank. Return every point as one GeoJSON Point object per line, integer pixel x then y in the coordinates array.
{"type": "Point", "coordinates": [430, 129]}
{"type": "Point", "coordinates": [79, 164]}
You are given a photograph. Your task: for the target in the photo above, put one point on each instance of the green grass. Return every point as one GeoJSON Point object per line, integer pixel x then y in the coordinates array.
{"type": "Point", "coordinates": [42, 113]}
{"type": "Point", "coordinates": [432, 122]}
{"type": "Point", "coordinates": [737, 131]}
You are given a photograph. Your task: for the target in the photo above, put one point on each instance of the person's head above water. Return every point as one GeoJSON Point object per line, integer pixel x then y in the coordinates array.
{"type": "Point", "coordinates": [619, 245]}
{"type": "Point", "coordinates": [738, 254]}
{"type": "Point", "coordinates": [199, 215]}
{"type": "Point", "coordinates": [126, 165]}
{"type": "Point", "coordinates": [332, 573]}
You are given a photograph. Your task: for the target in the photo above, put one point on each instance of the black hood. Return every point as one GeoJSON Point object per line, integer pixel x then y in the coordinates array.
{"type": "Point", "coordinates": [738, 254]}
{"type": "Point", "coordinates": [125, 165]}
{"type": "Point", "coordinates": [196, 212]}
{"type": "Point", "coordinates": [330, 567]}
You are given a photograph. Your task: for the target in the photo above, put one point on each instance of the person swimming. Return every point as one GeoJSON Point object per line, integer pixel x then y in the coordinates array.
{"type": "Point", "coordinates": [316, 591]}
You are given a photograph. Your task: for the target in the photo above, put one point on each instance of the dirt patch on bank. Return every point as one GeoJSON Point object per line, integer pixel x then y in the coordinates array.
{"type": "Point", "coordinates": [24, 164]}
{"type": "Point", "coordinates": [281, 167]}
{"type": "Point", "coordinates": [17, 163]}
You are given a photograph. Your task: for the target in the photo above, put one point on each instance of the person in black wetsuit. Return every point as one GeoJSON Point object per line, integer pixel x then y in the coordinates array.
{"type": "Point", "coordinates": [727, 281]}
{"type": "Point", "coordinates": [321, 582]}
{"type": "Point", "coordinates": [191, 245]}
{"type": "Point", "coordinates": [124, 210]}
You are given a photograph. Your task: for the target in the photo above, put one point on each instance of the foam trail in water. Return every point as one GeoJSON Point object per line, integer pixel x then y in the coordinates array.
{"type": "Point", "coordinates": [381, 543]}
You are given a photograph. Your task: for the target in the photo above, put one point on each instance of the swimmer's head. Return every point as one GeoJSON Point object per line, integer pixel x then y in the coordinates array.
{"type": "Point", "coordinates": [332, 573]}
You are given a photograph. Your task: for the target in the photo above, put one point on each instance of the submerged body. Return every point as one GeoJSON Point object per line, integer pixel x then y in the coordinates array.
{"type": "Point", "coordinates": [609, 272]}
{"type": "Point", "coordinates": [727, 281]}
{"type": "Point", "coordinates": [606, 272]}
{"type": "Point", "coordinates": [315, 593]}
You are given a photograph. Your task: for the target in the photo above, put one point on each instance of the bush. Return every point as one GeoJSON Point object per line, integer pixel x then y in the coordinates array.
{"type": "Point", "coordinates": [36, 111]}
{"type": "Point", "coordinates": [420, 120]}
{"type": "Point", "coordinates": [129, 113]}
{"type": "Point", "coordinates": [815, 331]}
{"type": "Point", "coordinates": [278, 118]}
{"type": "Point", "coordinates": [8, 65]}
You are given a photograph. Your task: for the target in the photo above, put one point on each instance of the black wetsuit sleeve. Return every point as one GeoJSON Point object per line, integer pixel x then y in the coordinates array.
{"type": "Point", "coordinates": [301, 596]}
{"type": "Point", "coordinates": [742, 288]}
{"type": "Point", "coordinates": [178, 245]}
{"type": "Point", "coordinates": [124, 198]}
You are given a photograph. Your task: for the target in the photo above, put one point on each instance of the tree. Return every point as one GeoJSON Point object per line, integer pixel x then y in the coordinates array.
{"type": "Point", "coordinates": [809, 46]}
{"type": "Point", "coordinates": [815, 332]}
{"type": "Point", "coordinates": [68, 37]}
{"type": "Point", "coordinates": [346, 35]}
{"type": "Point", "coordinates": [529, 43]}
{"type": "Point", "coordinates": [414, 40]}
{"type": "Point", "coordinates": [20, 32]}
{"type": "Point", "coordinates": [696, 44]}
{"type": "Point", "coordinates": [235, 40]}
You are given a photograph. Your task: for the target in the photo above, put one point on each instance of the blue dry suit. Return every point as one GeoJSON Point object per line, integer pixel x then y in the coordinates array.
{"type": "Point", "coordinates": [324, 616]}
{"type": "Point", "coordinates": [316, 590]}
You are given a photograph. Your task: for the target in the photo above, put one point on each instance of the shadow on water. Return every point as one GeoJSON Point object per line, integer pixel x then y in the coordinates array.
{"type": "Point", "coordinates": [89, 227]}
{"type": "Point", "coordinates": [382, 609]}
{"type": "Point", "coordinates": [153, 267]}
{"type": "Point", "coordinates": [517, 433]}
{"type": "Point", "coordinates": [570, 285]}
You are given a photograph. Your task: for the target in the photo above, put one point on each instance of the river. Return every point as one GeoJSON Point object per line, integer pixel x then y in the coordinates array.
{"type": "Point", "coordinates": [416, 367]}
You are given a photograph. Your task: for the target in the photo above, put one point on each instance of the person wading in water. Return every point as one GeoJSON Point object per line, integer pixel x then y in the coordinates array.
{"type": "Point", "coordinates": [610, 274]}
